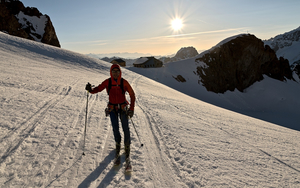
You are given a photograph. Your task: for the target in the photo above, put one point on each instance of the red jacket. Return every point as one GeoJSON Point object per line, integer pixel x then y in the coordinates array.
{"type": "Point", "coordinates": [115, 94]}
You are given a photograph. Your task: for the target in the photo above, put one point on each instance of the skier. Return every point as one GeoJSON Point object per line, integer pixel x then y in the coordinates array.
{"type": "Point", "coordinates": [116, 87]}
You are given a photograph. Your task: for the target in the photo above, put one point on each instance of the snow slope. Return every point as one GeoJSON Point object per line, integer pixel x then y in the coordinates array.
{"type": "Point", "coordinates": [292, 53]}
{"type": "Point", "coordinates": [187, 142]}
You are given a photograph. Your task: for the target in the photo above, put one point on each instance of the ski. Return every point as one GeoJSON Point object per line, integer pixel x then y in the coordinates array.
{"type": "Point", "coordinates": [128, 167]}
{"type": "Point", "coordinates": [117, 161]}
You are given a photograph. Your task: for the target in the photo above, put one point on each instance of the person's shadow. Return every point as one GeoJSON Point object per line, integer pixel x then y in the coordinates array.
{"type": "Point", "coordinates": [96, 173]}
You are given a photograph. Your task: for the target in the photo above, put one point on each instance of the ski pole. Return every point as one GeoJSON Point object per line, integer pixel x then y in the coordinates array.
{"type": "Point", "coordinates": [86, 112]}
{"type": "Point", "coordinates": [136, 132]}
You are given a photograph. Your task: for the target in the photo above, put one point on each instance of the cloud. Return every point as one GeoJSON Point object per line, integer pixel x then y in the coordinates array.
{"type": "Point", "coordinates": [183, 36]}
{"type": "Point", "coordinates": [240, 30]}
{"type": "Point", "coordinates": [95, 42]}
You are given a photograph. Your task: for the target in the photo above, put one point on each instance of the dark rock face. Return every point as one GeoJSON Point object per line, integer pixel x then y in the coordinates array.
{"type": "Point", "coordinates": [179, 78]}
{"type": "Point", "coordinates": [239, 63]}
{"type": "Point", "coordinates": [8, 21]}
{"type": "Point", "coordinates": [49, 36]}
{"type": "Point", "coordinates": [14, 20]}
{"type": "Point", "coordinates": [296, 68]}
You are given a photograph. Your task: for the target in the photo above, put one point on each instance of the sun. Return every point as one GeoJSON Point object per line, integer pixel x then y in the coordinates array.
{"type": "Point", "coordinates": [177, 24]}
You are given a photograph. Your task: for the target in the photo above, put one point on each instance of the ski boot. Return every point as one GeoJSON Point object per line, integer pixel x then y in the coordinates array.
{"type": "Point", "coordinates": [128, 167]}
{"type": "Point", "coordinates": [117, 159]}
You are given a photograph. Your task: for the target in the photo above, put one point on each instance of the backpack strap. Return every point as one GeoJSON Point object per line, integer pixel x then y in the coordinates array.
{"type": "Point", "coordinates": [122, 85]}
{"type": "Point", "coordinates": [110, 84]}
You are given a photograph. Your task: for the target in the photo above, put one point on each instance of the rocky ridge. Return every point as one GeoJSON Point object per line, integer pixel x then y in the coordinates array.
{"type": "Point", "coordinates": [284, 40]}
{"type": "Point", "coordinates": [26, 22]}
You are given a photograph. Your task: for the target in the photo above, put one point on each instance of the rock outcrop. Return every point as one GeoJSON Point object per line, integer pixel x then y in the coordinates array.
{"type": "Point", "coordinates": [179, 78]}
{"type": "Point", "coordinates": [239, 63]}
{"type": "Point", "coordinates": [27, 22]}
{"type": "Point", "coordinates": [183, 53]}
{"type": "Point", "coordinates": [296, 68]}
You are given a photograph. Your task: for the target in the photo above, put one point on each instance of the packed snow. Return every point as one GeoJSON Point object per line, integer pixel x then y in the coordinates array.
{"type": "Point", "coordinates": [187, 142]}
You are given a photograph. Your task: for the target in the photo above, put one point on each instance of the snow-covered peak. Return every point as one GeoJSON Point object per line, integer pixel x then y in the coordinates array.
{"type": "Point", "coordinates": [284, 40]}
{"type": "Point", "coordinates": [227, 40]}
{"type": "Point", "coordinates": [286, 45]}
{"type": "Point", "coordinates": [293, 35]}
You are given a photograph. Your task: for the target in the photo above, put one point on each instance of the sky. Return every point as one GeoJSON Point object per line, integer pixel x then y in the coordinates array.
{"type": "Point", "coordinates": [135, 26]}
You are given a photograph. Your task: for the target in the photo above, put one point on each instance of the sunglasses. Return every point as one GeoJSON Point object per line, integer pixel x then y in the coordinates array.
{"type": "Point", "coordinates": [115, 71]}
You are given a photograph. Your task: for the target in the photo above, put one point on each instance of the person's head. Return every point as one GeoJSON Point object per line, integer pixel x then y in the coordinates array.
{"type": "Point", "coordinates": [115, 71]}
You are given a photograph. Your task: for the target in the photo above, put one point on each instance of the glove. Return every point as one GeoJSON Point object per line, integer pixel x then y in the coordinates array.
{"type": "Point", "coordinates": [88, 87]}
{"type": "Point", "coordinates": [130, 113]}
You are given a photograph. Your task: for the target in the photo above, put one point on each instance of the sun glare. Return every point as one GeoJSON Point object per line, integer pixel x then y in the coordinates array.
{"type": "Point", "coordinates": [177, 24]}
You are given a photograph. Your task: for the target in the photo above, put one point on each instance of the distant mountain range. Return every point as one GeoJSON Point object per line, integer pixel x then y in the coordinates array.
{"type": "Point", "coordinates": [124, 55]}
{"type": "Point", "coordinates": [183, 53]}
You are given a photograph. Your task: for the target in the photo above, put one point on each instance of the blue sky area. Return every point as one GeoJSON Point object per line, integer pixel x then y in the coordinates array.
{"type": "Point", "coordinates": [102, 26]}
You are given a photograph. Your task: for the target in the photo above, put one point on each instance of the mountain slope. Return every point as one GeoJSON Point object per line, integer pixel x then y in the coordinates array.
{"type": "Point", "coordinates": [270, 99]}
{"type": "Point", "coordinates": [287, 45]}
{"type": "Point", "coordinates": [187, 142]}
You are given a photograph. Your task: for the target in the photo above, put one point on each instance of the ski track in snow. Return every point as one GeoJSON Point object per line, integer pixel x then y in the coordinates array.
{"type": "Point", "coordinates": [26, 128]}
{"type": "Point", "coordinates": [57, 172]}
{"type": "Point", "coordinates": [158, 161]}
{"type": "Point", "coordinates": [79, 164]}
{"type": "Point", "coordinates": [240, 140]}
